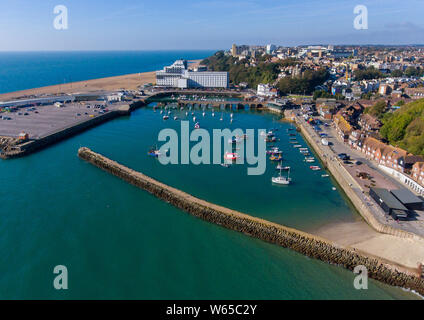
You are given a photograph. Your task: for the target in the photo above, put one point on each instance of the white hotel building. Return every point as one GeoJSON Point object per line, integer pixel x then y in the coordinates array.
{"type": "Point", "coordinates": [178, 76]}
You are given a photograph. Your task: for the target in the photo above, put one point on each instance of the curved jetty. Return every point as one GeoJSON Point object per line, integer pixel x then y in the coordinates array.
{"type": "Point", "coordinates": [302, 242]}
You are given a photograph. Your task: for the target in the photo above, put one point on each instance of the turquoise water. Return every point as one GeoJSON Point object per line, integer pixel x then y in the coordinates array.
{"type": "Point", "coordinates": [26, 70]}
{"type": "Point", "coordinates": [118, 241]}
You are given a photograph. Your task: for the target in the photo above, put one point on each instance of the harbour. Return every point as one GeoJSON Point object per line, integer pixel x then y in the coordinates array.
{"type": "Point", "coordinates": [120, 139]}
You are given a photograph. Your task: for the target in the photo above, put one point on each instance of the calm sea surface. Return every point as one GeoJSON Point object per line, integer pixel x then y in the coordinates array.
{"type": "Point", "coordinates": [118, 241]}
{"type": "Point", "coordinates": [26, 70]}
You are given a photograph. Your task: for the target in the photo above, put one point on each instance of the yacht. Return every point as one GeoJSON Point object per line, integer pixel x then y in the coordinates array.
{"type": "Point", "coordinates": [282, 180]}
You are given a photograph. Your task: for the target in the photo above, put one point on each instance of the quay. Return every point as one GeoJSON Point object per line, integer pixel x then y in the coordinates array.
{"type": "Point", "coordinates": [301, 242]}
{"type": "Point", "coordinates": [50, 125]}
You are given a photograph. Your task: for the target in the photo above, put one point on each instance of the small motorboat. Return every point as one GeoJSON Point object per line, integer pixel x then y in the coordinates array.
{"type": "Point", "coordinates": [231, 156]}
{"type": "Point", "coordinates": [197, 125]}
{"type": "Point", "coordinates": [165, 117]}
{"type": "Point", "coordinates": [315, 168]}
{"type": "Point", "coordinates": [234, 140]}
{"type": "Point", "coordinates": [276, 158]}
{"type": "Point", "coordinates": [175, 118]}
{"type": "Point", "coordinates": [297, 146]}
{"type": "Point", "coordinates": [225, 165]}
{"type": "Point", "coordinates": [153, 152]}
{"type": "Point", "coordinates": [325, 176]}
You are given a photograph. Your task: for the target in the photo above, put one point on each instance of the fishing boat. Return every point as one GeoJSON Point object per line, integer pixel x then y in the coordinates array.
{"type": "Point", "coordinates": [282, 180]}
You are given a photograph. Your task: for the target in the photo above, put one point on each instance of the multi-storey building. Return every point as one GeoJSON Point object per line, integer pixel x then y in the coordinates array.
{"type": "Point", "coordinates": [178, 76]}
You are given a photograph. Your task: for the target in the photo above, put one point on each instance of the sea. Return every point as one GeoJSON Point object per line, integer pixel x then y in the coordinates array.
{"type": "Point", "coordinates": [119, 242]}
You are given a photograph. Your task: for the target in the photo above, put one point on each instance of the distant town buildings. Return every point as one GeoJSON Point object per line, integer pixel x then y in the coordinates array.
{"type": "Point", "coordinates": [179, 76]}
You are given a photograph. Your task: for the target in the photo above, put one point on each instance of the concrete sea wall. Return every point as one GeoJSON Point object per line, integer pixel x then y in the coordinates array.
{"type": "Point", "coordinates": [304, 243]}
{"type": "Point", "coordinates": [38, 144]}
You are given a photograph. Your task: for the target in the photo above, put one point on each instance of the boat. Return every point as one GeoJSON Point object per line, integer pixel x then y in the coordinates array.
{"type": "Point", "coordinates": [297, 146]}
{"type": "Point", "coordinates": [197, 125]}
{"type": "Point", "coordinates": [276, 158]}
{"type": "Point", "coordinates": [161, 112]}
{"type": "Point", "coordinates": [194, 119]}
{"type": "Point", "coordinates": [315, 168]}
{"type": "Point", "coordinates": [225, 165]}
{"type": "Point", "coordinates": [234, 140]}
{"type": "Point", "coordinates": [281, 167]}
{"type": "Point", "coordinates": [231, 156]}
{"type": "Point", "coordinates": [165, 117]}
{"type": "Point", "coordinates": [213, 114]}
{"type": "Point", "coordinates": [325, 176]}
{"type": "Point", "coordinates": [271, 139]}
{"type": "Point", "coordinates": [310, 160]}
{"type": "Point", "coordinates": [282, 180]}
{"type": "Point", "coordinates": [153, 152]}
{"type": "Point", "coordinates": [204, 113]}
{"type": "Point", "coordinates": [175, 118]}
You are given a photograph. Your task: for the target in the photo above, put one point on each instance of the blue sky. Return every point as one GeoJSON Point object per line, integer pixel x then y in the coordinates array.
{"type": "Point", "coordinates": [204, 24]}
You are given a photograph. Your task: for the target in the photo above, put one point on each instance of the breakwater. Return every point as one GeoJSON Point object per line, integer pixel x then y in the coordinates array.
{"type": "Point", "coordinates": [347, 182]}
{"type": "Point", "coordinates": [304, 243]}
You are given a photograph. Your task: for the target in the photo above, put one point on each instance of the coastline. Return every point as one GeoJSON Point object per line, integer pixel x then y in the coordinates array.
{"type": "Point", "coordinates": [126, 82]}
